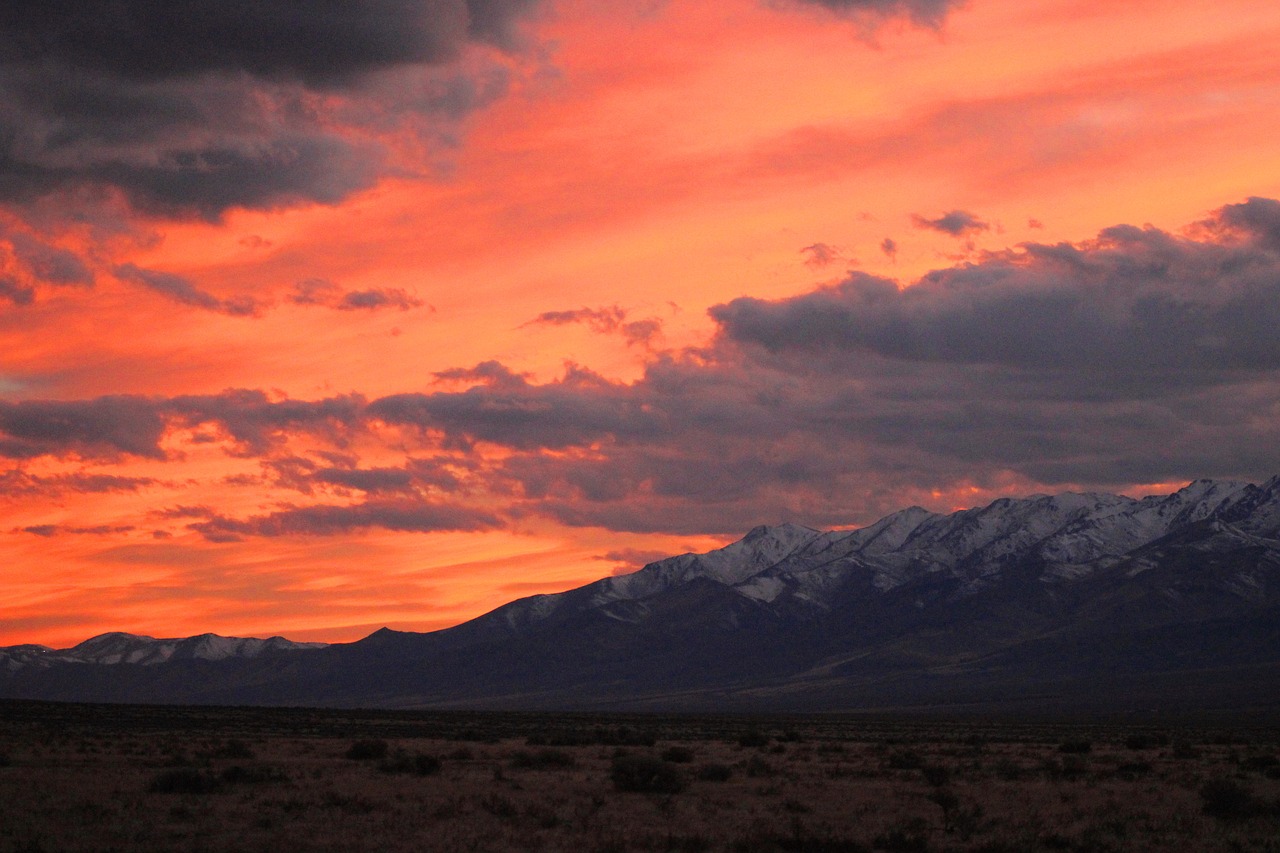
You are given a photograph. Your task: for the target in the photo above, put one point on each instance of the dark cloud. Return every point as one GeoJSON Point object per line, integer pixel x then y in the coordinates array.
{"type": "Point", "coordinates": [304, 475]}
{"type": "Point", "coordinates": [1255, 220]}
{"type": "Point", "coordinates": [18, 482]}
{"type": "Point", "coordinates": [184, 512]}
{"type": "Point", "coordinates": [191, 107]}
{"type": "Point", "coordinates": [928, 12]}
{"type": "Point", "coordinates": [486, 373]}
{"type": "Point", "coordinates": [599, 319]}
{"type": "Point", "coordinates": [418, 476]}
{"type": "Point", "coordinates": [184, 290]}
{"type": "Point", "coordinates": [369, 480]}
{"type": "Point", "coordinates": [1134, 302]}
{"type": "Point", "coordinates": [15, 292]}
{"type": "Point", "coordinates": [315, 291]}
{"type": "Point", "coordinates": [957, 223]}
{"type": "Point", "coordinates": [48, 263]}
{"type": "Point", "coordinates": [28, 263]}
{"type": "Point", "coordinates": [327, 520]}
{"type": "Point", "coordinates": [320, 292]}
{"type": "Point", "coordinates": [890, 248]}
{"type": "Point", "coordinates": [51, 530]}
{"type": "Point", "coordinates": [510, 411]}
{"type": "Point", "coordinates": [607, 320]}
{"type": "Point", "coordinates": [325, 43]}
{"type": "Point", "coordinates": [257, 425]}
{"type": "Point", "coordinates": [375, 298]}
{"type": "Point", "coordinates": [108, 428]}
{"type": "Point", "coordinates": [105, 428]}
{"type": "Point", "coordinates": [819, 255]}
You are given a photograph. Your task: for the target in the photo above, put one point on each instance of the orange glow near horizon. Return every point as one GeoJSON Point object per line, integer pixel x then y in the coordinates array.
{"type": "Point", "coordinates": [664, 159]}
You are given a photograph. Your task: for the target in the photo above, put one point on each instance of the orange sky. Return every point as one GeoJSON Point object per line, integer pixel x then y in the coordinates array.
{"type": "Point", "coordinates": [647, 161]}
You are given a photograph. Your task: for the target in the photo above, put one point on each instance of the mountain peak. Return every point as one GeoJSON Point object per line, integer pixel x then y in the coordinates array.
{"type": "Point", "coordinates": [785, 529]}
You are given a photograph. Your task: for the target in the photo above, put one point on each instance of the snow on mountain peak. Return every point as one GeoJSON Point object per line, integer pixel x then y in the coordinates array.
{"type": "Point", "coordinates": [117, 647]}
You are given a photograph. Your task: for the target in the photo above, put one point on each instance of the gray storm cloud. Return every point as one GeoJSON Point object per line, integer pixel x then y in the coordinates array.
{"type": "Point", "coordinates": [192, 107]}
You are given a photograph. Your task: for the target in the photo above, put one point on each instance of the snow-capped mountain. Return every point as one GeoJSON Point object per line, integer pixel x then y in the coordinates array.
{"type": "Point", "coordinates": [1069, 536]}
{"type": "Point", "coordinates": [1069, 601]}
{"type": "Point", "coordinates": [116, 648]}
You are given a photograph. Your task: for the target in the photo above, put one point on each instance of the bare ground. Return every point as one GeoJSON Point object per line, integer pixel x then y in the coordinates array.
{"type": "Point", "coordinates": [99, 778]}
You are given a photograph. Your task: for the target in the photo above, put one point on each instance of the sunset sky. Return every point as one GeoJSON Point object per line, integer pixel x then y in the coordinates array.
{"type": "Point", "coordinates": [320, 316]}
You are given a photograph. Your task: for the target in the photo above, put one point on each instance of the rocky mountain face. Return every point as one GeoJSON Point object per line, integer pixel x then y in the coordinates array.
{"type": "Point", "coordinates": [1071, 602]}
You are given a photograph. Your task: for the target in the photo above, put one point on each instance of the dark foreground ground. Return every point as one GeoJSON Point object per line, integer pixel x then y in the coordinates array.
{"type": "Point", "coordinates": [99, 778]}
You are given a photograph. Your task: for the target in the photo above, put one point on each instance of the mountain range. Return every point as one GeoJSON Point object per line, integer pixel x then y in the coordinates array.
{"type": "Point", "coordinates": [117, 647]}
{"type": "Point", "coordinates": [1091, 603]}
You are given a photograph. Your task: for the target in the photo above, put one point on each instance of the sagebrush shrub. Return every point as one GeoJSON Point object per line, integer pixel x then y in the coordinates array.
{"type": "Point", "coordinates": [1075, 747]}
{"type": "Point", "coordinates": [647, 775]}
{"type": "Point", "coordinates": [184, 780]}
{"type": "Point", "coordinates": [368, 750]}
{"type": "Point", "coordinates": [543, 759]}
{"type": "Point", "coordinates": [715, 773]}
{"type": "Point", "coordinates": [1226, 799]}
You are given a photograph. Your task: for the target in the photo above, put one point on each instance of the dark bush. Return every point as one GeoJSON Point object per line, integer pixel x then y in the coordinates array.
{"type": "Point", "coordinates": [543, 759]}
{"type": "Point", "coordinates": [758, 767]}
{"type": "Point", "coordinates": [1260, 763]}
{"type": "Point", "coordinates": [753, 738]}
{"type": "Point", "coordinates": [1184, 750]}
{"type": "Point", "coordinates": [368, 750]}
{"type": "Point", "coordinates": [1133, 769]}
{"type": "Point", "coordinates": [677, 754]}
{"type": "Point", "coordinates": [184, 780]}
{"type": "Point", "coordinates": [905, 759]}
{"type": "Point", "coordinates": [416, 763]}
{"type": "Point", "coordinates": [1075, 747]}
{"type": "Point", "coordinates": [1008, 769]}
{"type": "Point", "coordinates": [911, 837]}
{"type": "Point", "coordinates": [5, 761]}
{"type": "Point", "coordinates": [234, 749]}
{"type": "Point", "coordinates": [936, 775]}
{"type": "Point", "coordinates": [625, 736]}
{"type": "Point", "coordinates": [1146, 740]}
{"type": "Point", "coordinates": [1226, 799]}
{"type": "Point", "coordinates": [252, 774]}
{"type": "Point", "coordinates": [715, 773]}
{"type": "Point", "coordinates": [499, 805]}
{"type": "Point", "coordinates": [600, 735]}
{"type": "Point", "coordinates": [646, 775]}
{"type": "Point", "coordinates": [798, 841]}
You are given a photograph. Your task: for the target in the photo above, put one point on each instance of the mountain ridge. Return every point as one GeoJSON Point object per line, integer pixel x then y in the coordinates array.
{"type": "Point", "coordinates": [117, 647]}
{"type": "Point", "coordinates": [916, 607]}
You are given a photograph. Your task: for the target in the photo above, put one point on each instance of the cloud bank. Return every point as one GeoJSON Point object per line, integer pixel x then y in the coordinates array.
{"type": "Point", "coordinates": [192, 107]}
{"type": "Point", "coordinates": [1140, 356]}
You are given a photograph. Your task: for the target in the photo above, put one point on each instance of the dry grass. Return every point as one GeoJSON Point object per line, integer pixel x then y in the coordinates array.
{"type": "Point", "coordinates": [95, 779]}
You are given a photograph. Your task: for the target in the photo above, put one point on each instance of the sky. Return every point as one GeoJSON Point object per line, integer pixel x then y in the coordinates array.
{"type": "Point", "coordinates": [321, 316]}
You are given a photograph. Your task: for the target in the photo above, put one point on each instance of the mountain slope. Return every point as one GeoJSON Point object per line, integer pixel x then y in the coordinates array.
{"type": "Point", "coordinates": [1072, 600]}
